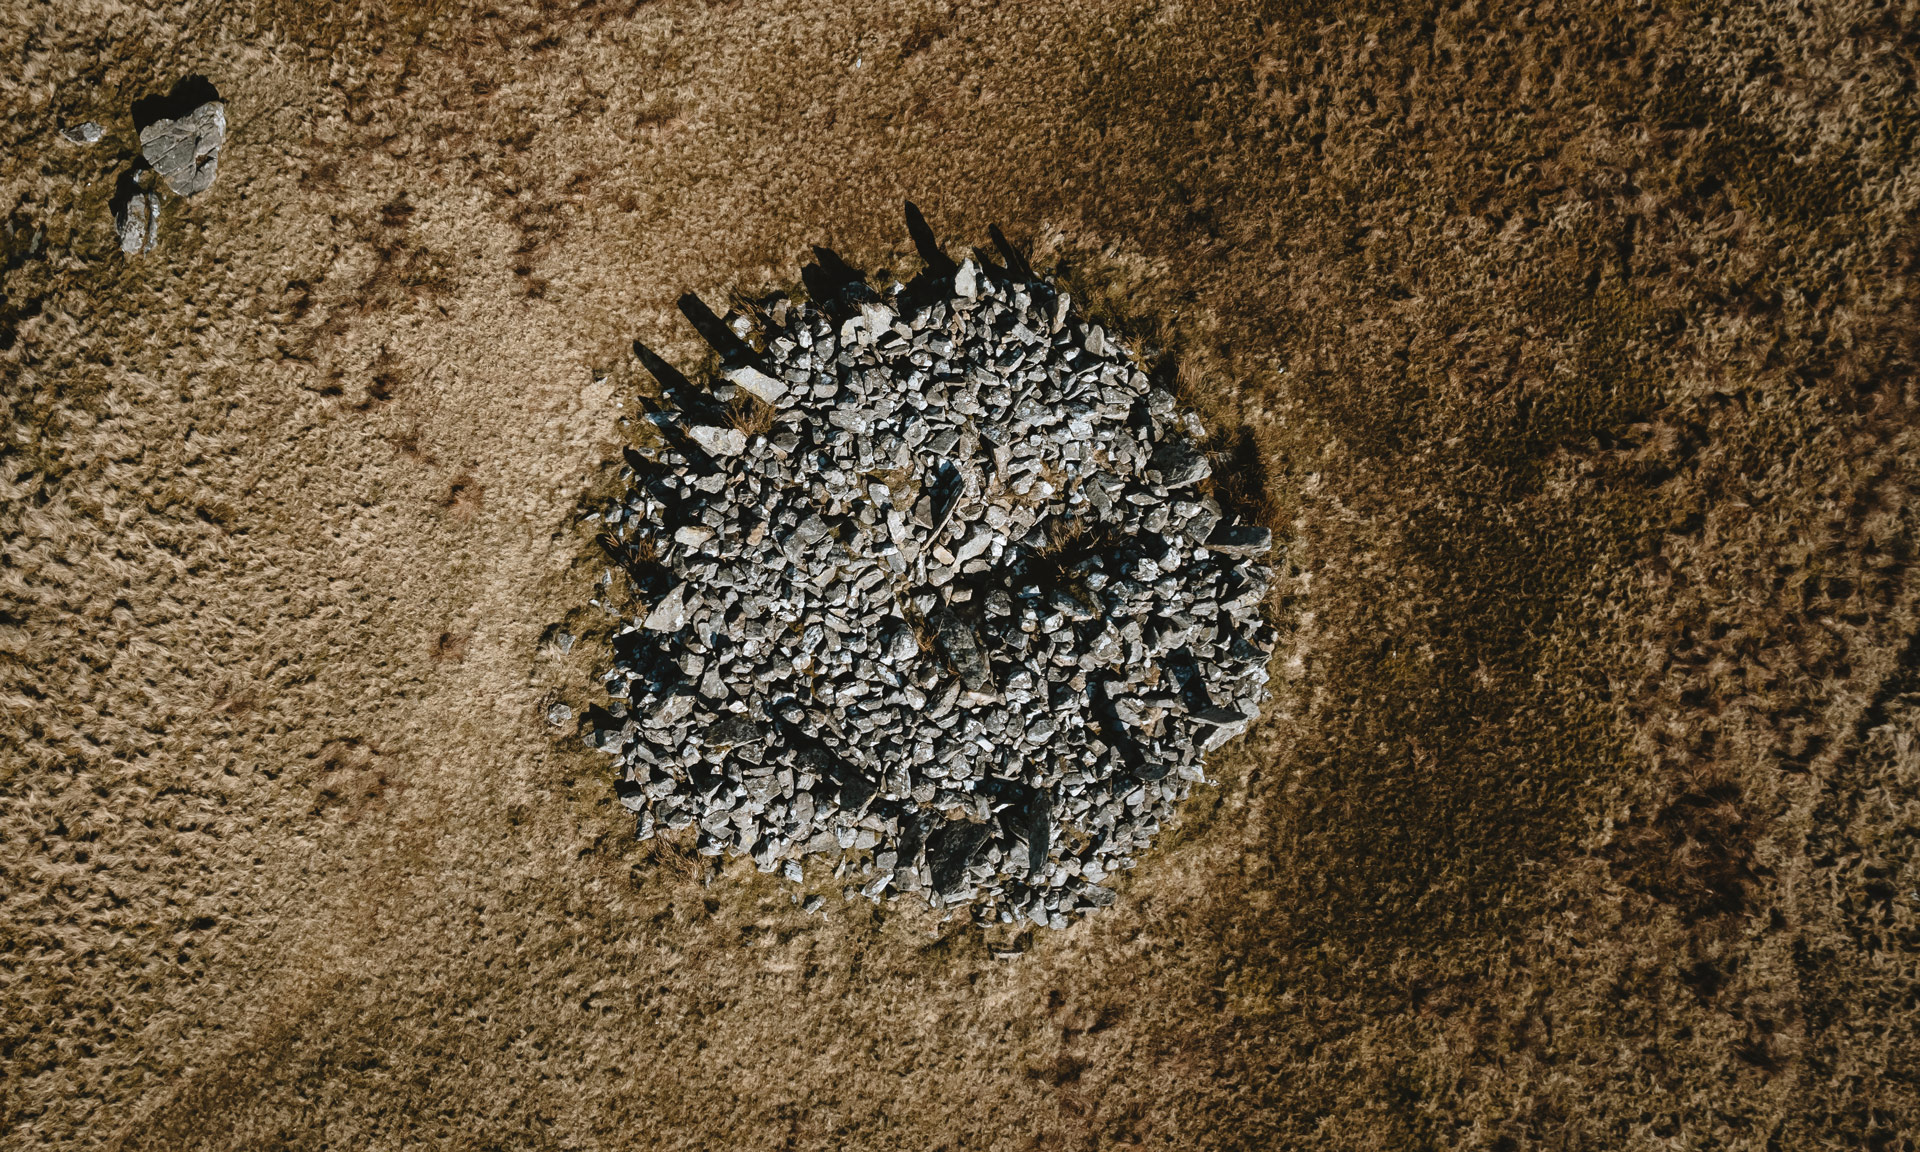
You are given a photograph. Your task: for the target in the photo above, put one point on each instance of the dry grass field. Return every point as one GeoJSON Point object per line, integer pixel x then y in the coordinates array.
{"type": "Point", "coordinates": [1570, 349]}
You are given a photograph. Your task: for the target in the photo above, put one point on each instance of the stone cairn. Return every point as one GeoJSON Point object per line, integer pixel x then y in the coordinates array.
{"type": "Point", "coordinates": [926, 581]}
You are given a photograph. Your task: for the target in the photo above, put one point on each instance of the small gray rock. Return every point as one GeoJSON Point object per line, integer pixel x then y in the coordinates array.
{"type": "Point", "coordinates": [136, 218]}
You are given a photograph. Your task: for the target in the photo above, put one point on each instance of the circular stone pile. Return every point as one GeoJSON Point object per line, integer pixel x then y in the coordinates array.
{"type": "Point", "coordinates": [937, 593]}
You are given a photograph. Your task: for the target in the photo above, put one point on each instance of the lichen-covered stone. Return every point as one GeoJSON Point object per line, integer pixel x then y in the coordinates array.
{"type": "Point", "coordinates": [186, 152]}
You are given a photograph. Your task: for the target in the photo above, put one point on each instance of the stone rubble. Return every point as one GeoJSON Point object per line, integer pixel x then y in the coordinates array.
{"type": "Point", "coordinates": [930, 586]}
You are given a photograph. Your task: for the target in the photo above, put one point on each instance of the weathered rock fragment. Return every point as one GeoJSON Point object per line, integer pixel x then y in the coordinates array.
{"type": "Point", "coordinates": [186, 152]}
{"type": "Point", "coordinates": [136, 212]}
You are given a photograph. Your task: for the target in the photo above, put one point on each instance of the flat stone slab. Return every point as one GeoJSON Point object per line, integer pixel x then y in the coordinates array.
{"type": "Point", "coordinates": [186, 152]}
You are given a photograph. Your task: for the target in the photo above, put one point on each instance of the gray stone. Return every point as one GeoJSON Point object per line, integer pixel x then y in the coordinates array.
{"type": "Point", "coordinates": [670, 614]}
{"type": "Point", "coordinates": [731, 730]}
{"type": "Point", "coordinates": [958, 643]}
{"type": "Point", "coordinates": [136, 218]}
{"type": "Point", "coordinates": [1241, 540]}
{"type": "Point", "coordinates": [718, 441]}
{"type": "Point", "coordinates": [762, 386]}
{"type": "Point", "coordinates": [672, 709]}
{"type": "Point", "coordinates": [186, 152]}
{"type": "Point", "coordinates": [1179, 464]}
{"type": "Point", "coordinates": [83, 133]}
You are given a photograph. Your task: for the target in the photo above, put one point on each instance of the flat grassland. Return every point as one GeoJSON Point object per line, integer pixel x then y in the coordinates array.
{"type": "Point", "coordinates": [1570, 349]}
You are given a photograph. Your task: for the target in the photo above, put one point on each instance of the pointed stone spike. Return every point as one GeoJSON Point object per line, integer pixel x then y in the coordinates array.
{"type": "Point", "coordinates": [830, 281]}
{"type": "Point", "coordinates": [671, 421]}
{"type": "Point", "coordinates": [991, 270]}
{"type": "Point", "coordinates": [618, 554]}
{"type": "Point", "coordinates": [642, 467]}
{"type": "Point", "coordinates": [680, 392]}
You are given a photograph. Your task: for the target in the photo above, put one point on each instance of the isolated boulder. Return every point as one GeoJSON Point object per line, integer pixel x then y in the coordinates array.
{"type": "Point", "coordinates": [186, 152]}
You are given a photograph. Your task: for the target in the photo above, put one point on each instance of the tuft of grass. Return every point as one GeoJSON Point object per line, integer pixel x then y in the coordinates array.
{"type": "Point", "coordinates": [751, 415]}
{"type": "Point", "coordinates": [671, 854]}
{"type": "Point", "coordinates": [643, 549]}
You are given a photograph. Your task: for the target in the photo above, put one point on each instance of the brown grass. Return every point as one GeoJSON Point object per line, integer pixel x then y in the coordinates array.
{"type": "Point", "coordinates": [1571, 350]}
{"type": "Point", "coordinates": [752, 416]}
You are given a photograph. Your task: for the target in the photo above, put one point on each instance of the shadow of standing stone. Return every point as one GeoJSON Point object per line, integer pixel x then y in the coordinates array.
{"type": "Point", "coordinates": [189, 93]}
